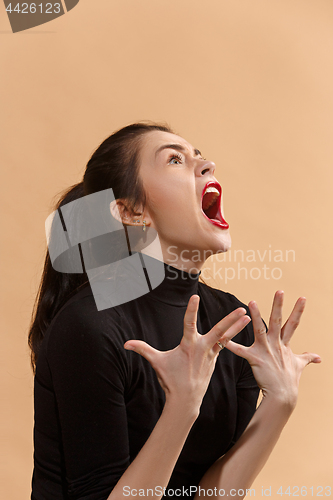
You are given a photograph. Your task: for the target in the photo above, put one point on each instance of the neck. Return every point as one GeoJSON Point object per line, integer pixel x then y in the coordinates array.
{"type": "Point", "coordinates": [190, 261]}
{"type": "Point", "coordinates": [183, 262]}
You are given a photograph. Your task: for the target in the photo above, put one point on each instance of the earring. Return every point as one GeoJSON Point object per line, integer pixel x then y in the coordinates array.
{"type": "Point", "coordinates": [144, 225]}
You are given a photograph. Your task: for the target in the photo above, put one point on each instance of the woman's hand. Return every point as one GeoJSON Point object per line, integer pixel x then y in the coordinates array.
{"type": "Point", "coordinates": [276, 368]}
{"type": "Point", "coordinates": [277, 371]}
{"type": "Point", "coordinates": [185, 371]}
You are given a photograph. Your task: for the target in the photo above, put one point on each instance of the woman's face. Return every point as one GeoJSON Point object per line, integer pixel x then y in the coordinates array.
{"type": "Point", "coordinates": [175, 178]}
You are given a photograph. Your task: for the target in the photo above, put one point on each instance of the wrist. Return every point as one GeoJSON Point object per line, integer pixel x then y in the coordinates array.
{"type": "Point", "coordinates": [283, 401]}
{"type": "Point", "coordinates": [182, 410]}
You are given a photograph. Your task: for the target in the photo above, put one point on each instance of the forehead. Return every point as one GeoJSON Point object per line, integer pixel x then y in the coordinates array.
{"type": "Point", "coordinates": [156, 138]}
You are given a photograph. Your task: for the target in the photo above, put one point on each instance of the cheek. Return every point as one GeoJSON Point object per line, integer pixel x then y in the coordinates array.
{"type": "Point", "coordinates": [171, 202]}
{"type": "Point", "coordinates": [164, 202]}
{"type": "Point", "coordinates": [164, 208]}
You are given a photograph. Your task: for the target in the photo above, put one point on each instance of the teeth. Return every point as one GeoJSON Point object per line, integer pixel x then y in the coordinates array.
{"type": "Point", "coordinates": [211, 190]}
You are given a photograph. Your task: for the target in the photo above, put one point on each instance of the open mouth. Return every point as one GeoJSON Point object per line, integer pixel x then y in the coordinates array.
{"type": "Point", "coordinates": [211, 204]}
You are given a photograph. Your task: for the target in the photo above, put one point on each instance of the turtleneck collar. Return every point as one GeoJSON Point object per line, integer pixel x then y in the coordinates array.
{"type": "Point", "coordinates": [177, 287]}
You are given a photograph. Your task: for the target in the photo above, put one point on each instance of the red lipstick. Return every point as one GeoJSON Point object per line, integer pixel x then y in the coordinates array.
{"type": "Point", "coordinates": [211, 204]}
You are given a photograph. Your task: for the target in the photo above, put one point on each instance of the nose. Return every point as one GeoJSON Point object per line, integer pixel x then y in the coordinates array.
{"type": "Point", "coordinates": [205, 166]}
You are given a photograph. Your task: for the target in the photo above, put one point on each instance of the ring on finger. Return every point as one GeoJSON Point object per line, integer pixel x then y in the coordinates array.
{"type": "Point", "coordinates": [220, 345]}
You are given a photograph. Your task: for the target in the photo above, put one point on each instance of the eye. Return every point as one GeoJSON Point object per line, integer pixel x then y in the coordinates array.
{"type": "Point", "coordinates": [177, 157]}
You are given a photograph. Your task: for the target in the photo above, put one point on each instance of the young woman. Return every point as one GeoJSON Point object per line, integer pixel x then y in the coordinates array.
{"type": "Point", "coordinates": [142, 399]}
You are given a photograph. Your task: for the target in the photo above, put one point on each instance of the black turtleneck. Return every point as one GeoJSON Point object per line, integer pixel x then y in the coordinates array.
{"type": "Point", "coordinates": [97, 403]}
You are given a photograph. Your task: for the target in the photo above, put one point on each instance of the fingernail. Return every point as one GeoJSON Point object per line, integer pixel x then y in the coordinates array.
{"type": "Point", "coordinates": [129, 347]}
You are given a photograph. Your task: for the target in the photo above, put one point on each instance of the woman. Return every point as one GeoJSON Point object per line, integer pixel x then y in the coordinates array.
{"type": "Point", "coordinates": [182, 414]}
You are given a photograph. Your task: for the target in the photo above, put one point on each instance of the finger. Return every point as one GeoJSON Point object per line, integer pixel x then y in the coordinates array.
{"type": "Point", "coordinates": [235, 329]}
{"type": "Point", "coordinates": [217, 332]}
{"type": "Point", "coordinates": [190, 318]}
{"type": "Point", "coordinates": [230, 333]}
{"type": "Point", "coordinates": [238, 349]}
{"type": "Point", "coordinates": [259, 328]}
{"type": "Point", "coordinates": [142, 348]}
{"type": "Point", "coordinates": [293, 321]}
{"type": "Point", "coordinates": [275, 320]}
{"type": "Point", "coordinates": [309, 357]}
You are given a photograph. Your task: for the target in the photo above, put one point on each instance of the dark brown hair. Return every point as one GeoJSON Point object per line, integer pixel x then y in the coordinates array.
{"type": "Point", "coordinates": [114, 164]}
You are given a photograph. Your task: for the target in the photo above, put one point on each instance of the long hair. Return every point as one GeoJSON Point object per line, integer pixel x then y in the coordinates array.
{"type": "Point", "coordinates": [114, 164]}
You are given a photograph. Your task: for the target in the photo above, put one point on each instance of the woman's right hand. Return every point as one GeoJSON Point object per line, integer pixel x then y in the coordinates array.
{"type": "Point", "coordinates": [185, 371]}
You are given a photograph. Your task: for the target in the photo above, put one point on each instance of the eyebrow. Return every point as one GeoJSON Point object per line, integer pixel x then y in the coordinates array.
{"type": "Point", "coordinates": [178, 147]}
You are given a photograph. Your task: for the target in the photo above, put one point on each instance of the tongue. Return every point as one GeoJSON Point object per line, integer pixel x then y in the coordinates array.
{"type": "Point", "coordinates": [208, 200]}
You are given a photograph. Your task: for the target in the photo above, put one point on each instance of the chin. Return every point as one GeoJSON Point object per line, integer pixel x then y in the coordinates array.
{"type": "Point", "coordinates": [222, 243]}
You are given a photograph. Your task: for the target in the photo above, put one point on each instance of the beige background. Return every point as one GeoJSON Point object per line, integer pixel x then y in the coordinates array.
{"type": "Point", "coordinates": [249, 83]}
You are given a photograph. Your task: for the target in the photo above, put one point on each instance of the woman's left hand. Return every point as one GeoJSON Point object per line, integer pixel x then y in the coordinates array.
{"type": "Point", "coordinates": [276, 368]}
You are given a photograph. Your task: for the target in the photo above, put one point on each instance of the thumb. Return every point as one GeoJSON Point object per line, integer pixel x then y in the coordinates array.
{"type": "Point", "coordinates": [310, 357]}
{"type": "Point", "coordinates": [142, 348]}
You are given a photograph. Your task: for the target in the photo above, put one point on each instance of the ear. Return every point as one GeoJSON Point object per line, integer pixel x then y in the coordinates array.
{"type": "Point", "coordinates": [123, 212]}
{"type": "Point", "coordinates": [120, 211]}
{"type": "Point", "coordinates": [114, 209]}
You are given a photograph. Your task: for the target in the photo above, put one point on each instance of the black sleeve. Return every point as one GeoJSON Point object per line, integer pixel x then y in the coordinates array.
{"type": "Point", "coordinates": [88, 366]}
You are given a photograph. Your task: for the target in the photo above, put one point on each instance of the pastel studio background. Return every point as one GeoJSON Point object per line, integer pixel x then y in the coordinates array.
{"type": "Point", "coordinates": [249, 83]}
